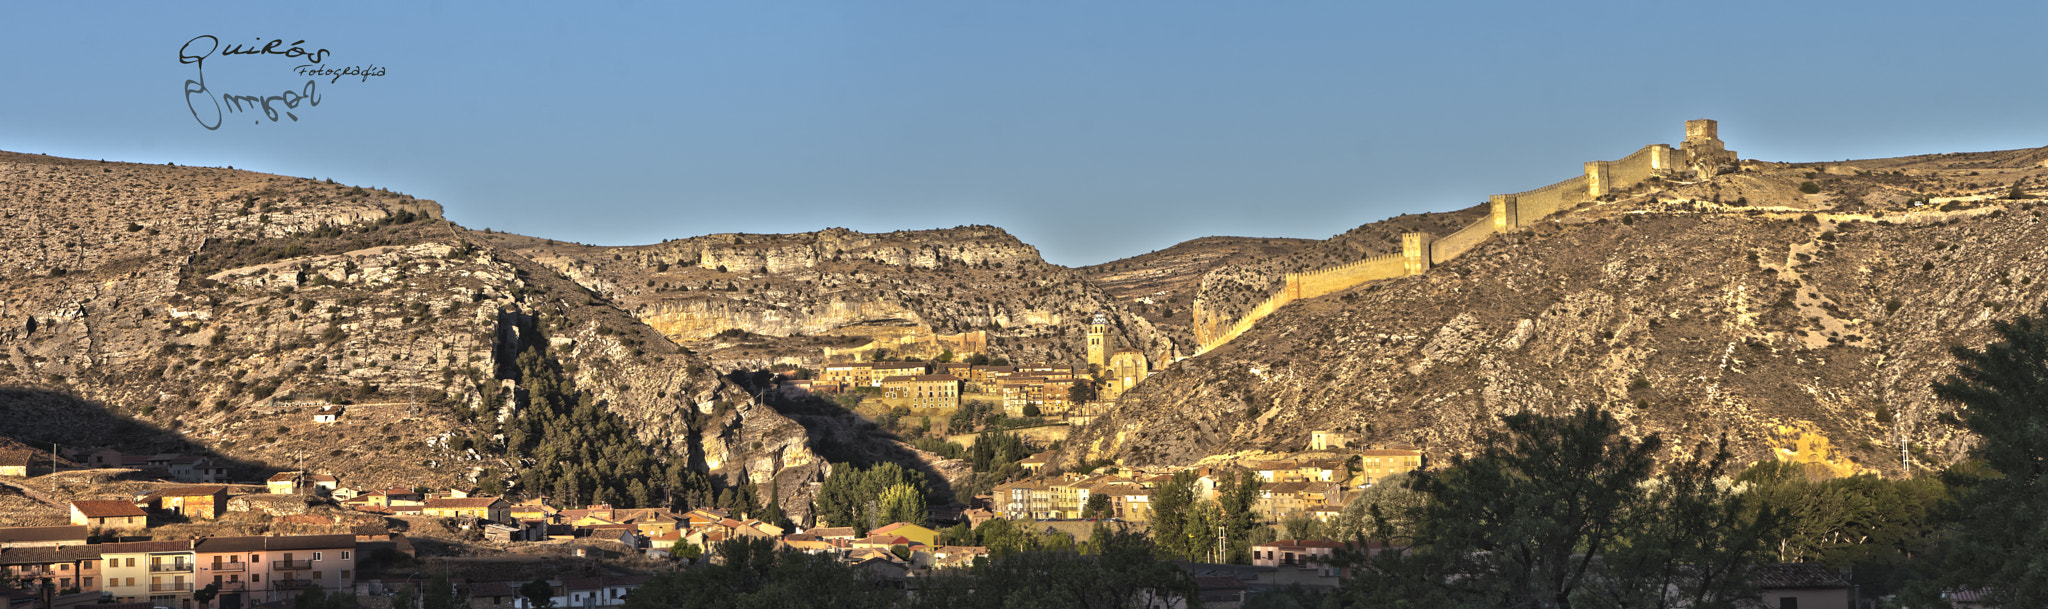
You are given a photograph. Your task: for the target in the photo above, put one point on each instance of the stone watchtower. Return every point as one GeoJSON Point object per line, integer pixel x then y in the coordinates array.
{"type": "Point", "coordinates": [1098, 342]}
{"type": "Point", "coordinates": [1703, 151]}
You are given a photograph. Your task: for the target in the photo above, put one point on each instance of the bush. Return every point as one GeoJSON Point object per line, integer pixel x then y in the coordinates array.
{"type": "Point", "coordinates": [1809, 187]}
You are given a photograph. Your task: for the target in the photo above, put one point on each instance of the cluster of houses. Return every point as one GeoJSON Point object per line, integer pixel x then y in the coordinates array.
{"type": "Point", "coordinates": [1313, 487]}
{"type": "Point", "coordinates": [891, 550]}
{"type": "Point", "coordinates": [242, 569]}
{"type": "Point", "coordinates": [1047, 390]}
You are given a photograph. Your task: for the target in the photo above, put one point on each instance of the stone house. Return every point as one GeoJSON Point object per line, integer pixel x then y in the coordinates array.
{"type": "Point", "coordinates": [191, 501]}
{"type": "Point", "coordinates": [493, 509]}
{"type": "Point", "coordinates": [15, 463]}
{"type": "Point", "coordinates": [113, 514]}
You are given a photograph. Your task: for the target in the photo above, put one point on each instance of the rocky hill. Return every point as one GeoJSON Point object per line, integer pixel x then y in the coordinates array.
{"type": "Point", "coordinates": [1235, 286]}
{"type": "Point", "coordinates": [1803, 326]}
{"type": "Point", "coordinates": [1161, 286]}
{"type": "Point", "coordinates": [754, 301]}
{"type": "Point", "coordinates": [213, 311]}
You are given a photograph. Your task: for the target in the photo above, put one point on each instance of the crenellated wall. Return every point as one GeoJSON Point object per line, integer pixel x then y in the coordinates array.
{"type": "Point", "coordinates": [1702, 151]}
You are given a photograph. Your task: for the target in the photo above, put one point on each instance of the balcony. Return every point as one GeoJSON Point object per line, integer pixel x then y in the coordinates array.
{"type": "Point", "coordinates": [171, 567]}
{"type": "Point", "coordinates": [236, 567]}
{"type": "Point", "coordinates": [186, 587]}
{"type": "Point", "coordinates": [234, 586]}
{"type": "Point", "coordinates": [290, 584]}
{"type": "Point", "coordinates": [290, 565]}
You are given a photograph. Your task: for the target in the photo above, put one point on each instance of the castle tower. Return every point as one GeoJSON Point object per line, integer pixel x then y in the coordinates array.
{"type": "Point", "coordinates": [1098, 342]}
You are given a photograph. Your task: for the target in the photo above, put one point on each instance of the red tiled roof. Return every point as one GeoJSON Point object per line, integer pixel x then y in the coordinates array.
{"type": "Point", "coordinates": [466, 502]}
{"type": "Point", "coordinates": [107, 508]}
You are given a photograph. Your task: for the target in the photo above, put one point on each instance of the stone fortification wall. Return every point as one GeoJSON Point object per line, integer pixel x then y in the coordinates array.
{"type": "Point", "coordinates": [1635, 168]}
{"type": "Point", "coordinates": [1420, 251]}
{"type": "Point", "coordinates": [1453, 245]}
{"type": "Point", "coordinates": [1532, 205]}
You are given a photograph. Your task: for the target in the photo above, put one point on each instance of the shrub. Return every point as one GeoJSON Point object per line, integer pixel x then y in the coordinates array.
{"type": "Point", "coordinates": [1809, 187]}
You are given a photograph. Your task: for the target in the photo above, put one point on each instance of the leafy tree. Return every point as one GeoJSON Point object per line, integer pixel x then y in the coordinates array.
{"type": "Point", "coordinates": [1175, 536]}
{"type": "Point", "coordinates": [904, 503]}
{"type": "Point", "coordinates": [958, 535]}
{"type": "Point", "coordinates": [1098, 506]}
{"type": "Point", "coordinates": [1123, 573]}
{"type": "Point", "coordinates": [1564, 511]}
{"type": "Point", "coordinates": [205, 595]}
{"type": "Point", "coordinates": [2002, 518]}
{"type": "Point", "coordinates": [315, 597]}
{"type": "Point", "coordinates": [404, 598]}
{"type": "Point", "coordinates": [852, 496]}
{"type": "Point", "coordinates": [1386, 502]}
{"type": "Point", "coordinates": [440, 594]}
{"type": "Point", "coordinates": [1236, 493]}
{"type": "Point", "coordinates": [752, 573]}
{"type": "Point", "coordinates": [538, 594]}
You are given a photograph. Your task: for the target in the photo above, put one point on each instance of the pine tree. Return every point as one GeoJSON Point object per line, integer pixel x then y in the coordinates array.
{"type": "Point", "coordinates": [2002, 391]}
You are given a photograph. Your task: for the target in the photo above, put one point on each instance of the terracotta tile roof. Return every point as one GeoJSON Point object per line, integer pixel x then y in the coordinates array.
{"type": "Point", "coordinates": [189, 491]}
{"type": "Point", "coordinates": [36, 534]}
{"type": "Point", "coordinates": [831, 532]}
{"type": "Point", "coordinates": [107, 508]}
{"type": "Point", "coordinates": [283, 477]}
{"type": "Point", "coordinates": [138, 547]}
{"type": "Point", "coordinates": [38, 556]}
{"type": "Point", "coordinates": [16, 458]}
{"type": "Point", "coordinates": [462, 503]}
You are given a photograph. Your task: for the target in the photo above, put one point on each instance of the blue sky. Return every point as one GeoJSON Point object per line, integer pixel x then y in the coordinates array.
{"type": "Point", "coordinates": [1093, 130]}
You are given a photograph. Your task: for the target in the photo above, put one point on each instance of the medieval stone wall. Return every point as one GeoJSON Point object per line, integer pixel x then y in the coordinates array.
{"type": "Point", "coordinates": [1420, 251]}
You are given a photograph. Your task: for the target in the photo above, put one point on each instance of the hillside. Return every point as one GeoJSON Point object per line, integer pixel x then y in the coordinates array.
{"type": "Point", "coordinates": [211, 311]}
{"type": "Point", "coordinates": [754, 301]}
{"type": "Point", "coordinates": [1804, 326]}
{"type": "Point", "coordinates": [1161, 285]}
{"type": "Point", "coordinates": [1235, 286]}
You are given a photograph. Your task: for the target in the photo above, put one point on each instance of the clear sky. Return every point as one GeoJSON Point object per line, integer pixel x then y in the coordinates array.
{"type": "Point", "coordinates": [1093, 130]}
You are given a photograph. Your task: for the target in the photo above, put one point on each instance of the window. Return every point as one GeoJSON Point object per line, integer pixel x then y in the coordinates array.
{"type": "Point", "coordinates": [344, 573]}
{"type": "Point", "coordinates": [131, 561]}
{"type": "Point", "coordinates": [344, 555]}
{"type": "Point", "coordinates": [316, 556]}
{"type": "Point", "coordinates": [316, 575]}
{"type": "Point", "coordinates": [1788, 602]}
{"type": "Point", "coordinates": [255, 579]}
{"type": "Point", "coordinates": [85, 565]}
{"type": "Point", "coordinates": [131, 580]}
{"type": "Point", "coordinates": [85, 582]}
{"type": "Point", "coordinates": [64, 567]}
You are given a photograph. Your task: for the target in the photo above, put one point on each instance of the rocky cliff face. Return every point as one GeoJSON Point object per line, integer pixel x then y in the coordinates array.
{"type": "Point", "coordinates": [1800, 326]}
{"type": "Point", "coordinates": [798, 293]}
{"type": "Point", "coordinates": [214, 311]}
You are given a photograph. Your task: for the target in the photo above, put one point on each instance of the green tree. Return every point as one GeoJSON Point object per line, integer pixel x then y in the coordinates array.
{"type": "Point", "coordinates": [1388, 501]}
{"type": "Point", "coordinates": [205, 596]}
{"type": "Point", "coordinates": [440, 594]}
{"type": "Point", "coordinates": [2002, 519]}
{"type": "Point", "coordinates": [538, 594]}
{"type": "Point", "coordinates": [904, 503]}
{"type": "Point", "coordinates": [852, 496]}
{"type": "Point", "coordinates": [1565, 511]}
{"type": "Point", "coordinates": [1098, 506]}
{"type": "Point", "coordinates": [1123, 572]}
{"type": "Point", "coordinates": [1171, 503]}
{"type": "Point", "coordinates": [1236, 493]}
